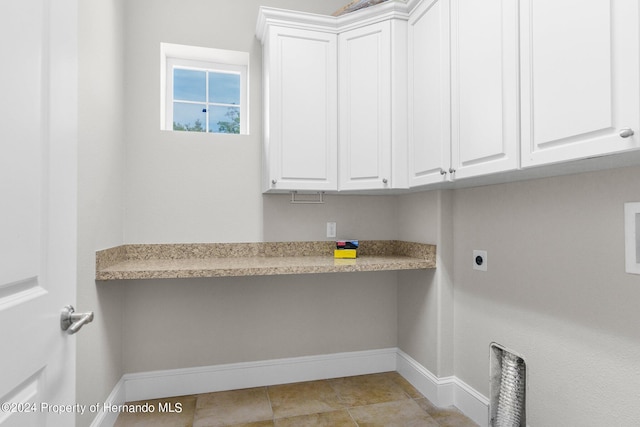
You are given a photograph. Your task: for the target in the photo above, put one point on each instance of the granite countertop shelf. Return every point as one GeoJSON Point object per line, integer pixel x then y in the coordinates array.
{"type": "Point", "coordinates": [172, 261]}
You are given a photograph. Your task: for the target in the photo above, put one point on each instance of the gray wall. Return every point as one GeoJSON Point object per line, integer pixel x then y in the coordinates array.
{"type": "Point", "coordinates": [425, 298]}
{"type": "Point", "coordinates": [100, 195]}
{"type": "Point", "coordinates": [189, 187]}
{"type": "Point", "coordinates": [555, 291]}
{"type": "Point", "coordinates": [200, 322]}
{"type": "Point", "coordinates": [183, 187]}
{"type": "Point", "coordinates": [356, 217]}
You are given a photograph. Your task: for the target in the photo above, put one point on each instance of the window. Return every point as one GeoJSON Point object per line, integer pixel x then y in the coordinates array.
{"type": "Point", "coordinates": [204, 89]}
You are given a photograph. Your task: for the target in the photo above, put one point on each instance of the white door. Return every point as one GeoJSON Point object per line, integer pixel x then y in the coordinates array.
{"type": "Point", "coordinates": [365, 107]}
{"type": "Point", "coordinates": [580, 85]}
{"type": "Point", "coordinates": [484, 86]}
{"type": "Point", "coordinates": [429, 93]}
{"type": "Point", "coordinates": [301, 95]}
{"type": "Point", "coordinates": [38, 85]}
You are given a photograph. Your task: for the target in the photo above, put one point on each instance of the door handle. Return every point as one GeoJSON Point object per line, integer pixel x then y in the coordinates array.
{"type": "Point", "coordinates": [71, 321]}
{"type": "Point", "coordinates": [626, 132]}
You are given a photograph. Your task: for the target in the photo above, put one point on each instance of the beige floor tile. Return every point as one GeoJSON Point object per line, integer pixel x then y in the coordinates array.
{"type": "Point", "coordinates": [405, 385]}
{"type": "Point", "coordinates": [289, 400]}
{"type": "Point", "coordinates": [324, 419]}
{"type": "Point", "coordinates": [404, 413]}
{"type": "Point", "coordinates": [268, 423]}
{"type": "Point", "coordinates": [368, 389]}
{"type": "Point", "coordinates": [227, 408]}
{"type": "Point", "coordinates": [185, 404]}
{"type": "Point", "coordinates": [446, 417]}
{"type": "Point", "coordinates": [384, 399]}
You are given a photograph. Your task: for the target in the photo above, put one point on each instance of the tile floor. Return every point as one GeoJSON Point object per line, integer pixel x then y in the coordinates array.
{"type": "Point", "coordinates": [384, 399]}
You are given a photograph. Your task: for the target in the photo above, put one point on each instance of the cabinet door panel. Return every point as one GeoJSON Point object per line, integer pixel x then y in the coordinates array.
{"type": "Point", "coordinates": [429, 83]}
{"type": "Point", "coordinates": [579, 78]}
{"type": "Point", "coordinates": [484, 86]}
{"type": "Point", "coordinates": [365, 107]}
{"type": "Point", "coordinates": [303, 103]}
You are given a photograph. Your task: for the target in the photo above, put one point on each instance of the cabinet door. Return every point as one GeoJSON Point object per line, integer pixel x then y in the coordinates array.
{"type": "Point", "coordinates": [365, 107]}
{"type": "Point", "coordinates": [300, 132]}
{"type": "Point", "coordinates": [484, 86]}
{"type": "Point", "coordinates": [580, 85]}
{"type": "Point", "coordinates": [429, 99]}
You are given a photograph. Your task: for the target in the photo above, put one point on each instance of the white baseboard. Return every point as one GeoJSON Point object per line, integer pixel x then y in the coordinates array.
{"type": "Point", "coordinates": [440, 391]}
{"type": "Point", "coordinates": [445, 391]}
{"type": "Point", "coordinates": [473, 404]}
{"type": "Point", "coordinates": [116, 397]}
{"type": "Point", "coordinates": [179, 382]}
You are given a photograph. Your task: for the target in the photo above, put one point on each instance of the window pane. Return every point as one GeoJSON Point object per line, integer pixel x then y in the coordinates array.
{"type": "Point", "coordinates": [224, 119]}
{"type": "Point", "coordinates": [224, 88]}
{"type": "Point", "coordinates": [189, 85]}
{"type": "Point", "coordinates": [189, 117]}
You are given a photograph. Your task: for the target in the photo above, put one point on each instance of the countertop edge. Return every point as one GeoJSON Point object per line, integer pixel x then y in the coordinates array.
{"type": "Point", "coordinates": [134, 262]}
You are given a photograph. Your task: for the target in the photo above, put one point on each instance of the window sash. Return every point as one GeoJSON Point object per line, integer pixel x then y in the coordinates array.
{"type": "Point", "coordinates": [173, 57]}
{"type": "Point", "coordinates": [209, 105]}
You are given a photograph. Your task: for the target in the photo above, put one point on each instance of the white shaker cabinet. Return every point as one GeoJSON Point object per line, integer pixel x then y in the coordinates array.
{"type": "Point", "coordinates": [300, 119]}
{"type": "Point", "coordinates": [463, 89]}
{"type": "Point", "coordinates": [323, 136]}
{"type": "Point", "coordinates": [410, 94]}
{"type": "Point", "coordinates": [484, 87]}
{"type": "Point", "coordinates": [429, 100]}
{"type": "Point", "coordinates": [372, 106]}
{"type": "Point", "coordinates": [580, 79]}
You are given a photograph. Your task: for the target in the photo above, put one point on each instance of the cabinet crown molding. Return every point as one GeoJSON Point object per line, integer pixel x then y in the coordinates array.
{"type": "Point", "coordinates": [392, 9]}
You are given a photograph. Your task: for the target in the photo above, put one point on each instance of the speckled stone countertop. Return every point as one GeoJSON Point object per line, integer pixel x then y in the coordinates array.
{"type": "Point", "coordinates": [171, 261]}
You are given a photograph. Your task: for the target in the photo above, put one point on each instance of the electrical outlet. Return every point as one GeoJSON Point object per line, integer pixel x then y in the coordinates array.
{"type": "Point", "coordinates": [480, 260]}
{"type": "Point", "coordinates": [632, 237]}
{"type": "Point", "coordinates": [331, 229]}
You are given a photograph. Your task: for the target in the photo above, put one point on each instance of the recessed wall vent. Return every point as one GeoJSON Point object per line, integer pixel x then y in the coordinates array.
{"type": "Point", "coordinates": [508, 388]}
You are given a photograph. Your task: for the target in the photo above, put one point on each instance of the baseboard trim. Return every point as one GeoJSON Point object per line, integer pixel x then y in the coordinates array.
{"type": "Point", "coordinates": [178, 382]}
{"type": "Point", "coordinates": [473, 404]}
{"type": "Point", "coordinates": [444, 391]}
{"type": "Point", "coordinates": [116, 397]}
{"type": "Point", "coordinates": [440, 391]}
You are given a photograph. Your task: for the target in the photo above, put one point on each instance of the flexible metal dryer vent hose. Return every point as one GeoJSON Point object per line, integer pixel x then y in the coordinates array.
{"type": "Point", "coordinates": [511, 398]}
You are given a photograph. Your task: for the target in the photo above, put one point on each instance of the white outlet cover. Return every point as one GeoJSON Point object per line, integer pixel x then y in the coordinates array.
{"type": "Point", "coordinates": [331, 229]}
{"type": "Point", "coordinates": [632, 237]}
{"type": "Point", "coordinates": [480, 260]}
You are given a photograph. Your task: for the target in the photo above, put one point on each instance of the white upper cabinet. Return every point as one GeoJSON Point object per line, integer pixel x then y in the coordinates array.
{"type": "Point", "coordinates": [429, 99]}
{"type": "Point", "coordinates": [368, 100]}
{"type": "Point", "coordinates": [300, 123]}
{"type": "Point", "coordinates": [423, 92]}
{"type": "Point", "coordinates": [484, 86]}
{"type": "Point", "coordinates": [580, 84]}
{"type": "Point", "coordinates": [365, 107]}
{"type": "Point", "coordinates": [303, 55]}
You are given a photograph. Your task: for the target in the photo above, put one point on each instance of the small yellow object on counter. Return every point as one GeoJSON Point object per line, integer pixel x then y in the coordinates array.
{"type": "Point", "coordinates": [344, 253]}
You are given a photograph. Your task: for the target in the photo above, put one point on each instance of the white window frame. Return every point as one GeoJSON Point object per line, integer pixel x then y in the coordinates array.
{"type": "Point", "coordinates": [201, 58]}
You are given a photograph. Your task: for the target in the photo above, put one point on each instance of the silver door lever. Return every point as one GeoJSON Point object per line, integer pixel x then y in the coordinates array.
{"type": "Point", "coordinates": [71, 321]}
{"type": "Point", "coordinates": [626, 132]}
